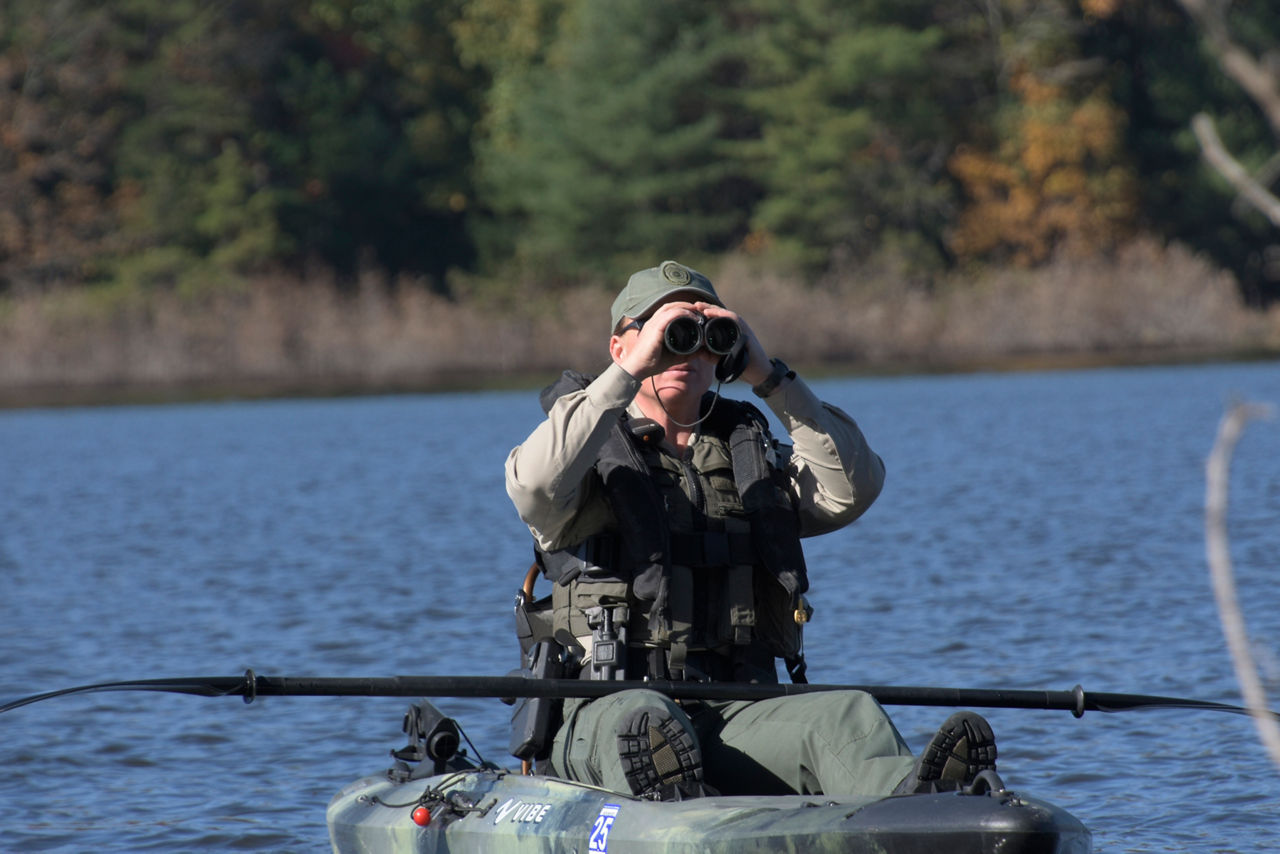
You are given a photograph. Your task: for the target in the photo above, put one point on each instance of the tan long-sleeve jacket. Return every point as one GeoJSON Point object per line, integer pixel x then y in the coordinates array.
{"type": "Point", "coordinates": [835, 475]}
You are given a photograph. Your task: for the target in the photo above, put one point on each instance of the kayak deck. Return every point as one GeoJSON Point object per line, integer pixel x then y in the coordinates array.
{"type": "Point", "coordinates": [481, 810]}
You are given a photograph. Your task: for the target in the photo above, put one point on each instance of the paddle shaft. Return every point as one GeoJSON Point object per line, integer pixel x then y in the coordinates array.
{"type": "Point", "coordinates": [1077, 700]}
{"type": "Point", "coordinates": [250, 686]}
{"type": "Point", "coordinates": [515, 686]}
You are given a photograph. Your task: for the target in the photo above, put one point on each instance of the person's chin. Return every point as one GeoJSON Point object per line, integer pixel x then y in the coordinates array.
{"type": "Point", "coordinates": [681, 379]}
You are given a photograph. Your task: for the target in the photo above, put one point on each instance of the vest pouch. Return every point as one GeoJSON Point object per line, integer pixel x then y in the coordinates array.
{"type": "Point", "coordinates": [535, 621]}
{"type": "Point", "coordinates": [776, 623]}
{"type": "Point", "coordinates": [571, 603]}
{"type": "Point", "coordinates": [722, 496]}
{"type": "Point", "coordinates": [536, 719]}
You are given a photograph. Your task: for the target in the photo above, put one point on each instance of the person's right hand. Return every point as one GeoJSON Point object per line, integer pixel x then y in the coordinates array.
{"type": "Point", "coordinates": [642, 353]}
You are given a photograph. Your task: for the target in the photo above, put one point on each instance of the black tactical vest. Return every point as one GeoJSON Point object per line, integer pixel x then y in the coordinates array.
{"type": "Point", "coordinates": [701, 575]}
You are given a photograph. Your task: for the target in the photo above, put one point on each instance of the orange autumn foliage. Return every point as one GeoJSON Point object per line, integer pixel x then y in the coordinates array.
{"type": "Point", "coordinates": [1100, 8]}
{"type": "Point", "coordinates": [1057, 179]}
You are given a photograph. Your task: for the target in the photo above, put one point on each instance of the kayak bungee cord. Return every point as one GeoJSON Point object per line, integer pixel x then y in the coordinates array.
{"type": "Point", "coordinates": [250, 686]}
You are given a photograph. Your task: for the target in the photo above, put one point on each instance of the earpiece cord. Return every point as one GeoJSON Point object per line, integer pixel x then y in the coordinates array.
{"type": "Point", "coordinates": [653, 383]}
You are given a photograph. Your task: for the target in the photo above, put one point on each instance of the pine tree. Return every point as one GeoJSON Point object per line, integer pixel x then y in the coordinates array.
{"type": "Point", "coordinates": [855, 121]}
{"type": "Point", "coordinates": [610, 156]}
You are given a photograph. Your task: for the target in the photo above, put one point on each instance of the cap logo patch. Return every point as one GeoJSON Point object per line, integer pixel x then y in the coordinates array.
{"type": "Point", "coordinates": [675, 273]}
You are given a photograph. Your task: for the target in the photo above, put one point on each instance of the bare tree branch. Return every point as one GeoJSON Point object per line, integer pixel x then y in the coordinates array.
{"type": "Point", "coordinates": [1259, 80]}
{"type": "Point", "coordinates": [1229, 168]}
{"type": "Point", "coordinates": [1220, 570]}
{"type": "Point", "coordinates": [1252, 75]}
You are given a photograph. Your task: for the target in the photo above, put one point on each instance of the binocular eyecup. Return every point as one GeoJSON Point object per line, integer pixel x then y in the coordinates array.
{"type": "Point", "coordinates": [686, 335]}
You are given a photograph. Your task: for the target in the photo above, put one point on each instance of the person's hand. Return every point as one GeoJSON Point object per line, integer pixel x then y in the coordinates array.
{"type": "Point", "coordinates": [643, 354]}
{"type": "Point", "coordinates": [758, 366]}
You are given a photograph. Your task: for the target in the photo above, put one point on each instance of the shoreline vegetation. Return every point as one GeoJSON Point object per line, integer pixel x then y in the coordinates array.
{"type": "Point", "coordinates": [281, 336]}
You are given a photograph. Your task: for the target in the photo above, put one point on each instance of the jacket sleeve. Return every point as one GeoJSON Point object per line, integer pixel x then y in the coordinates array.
{"type": "Point", "coordinates": [834, 473]}
{"type": "Point", "coordinates": [547, 474]}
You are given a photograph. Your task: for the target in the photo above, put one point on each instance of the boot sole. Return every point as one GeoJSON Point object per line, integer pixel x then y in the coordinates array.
{"type": "Point", "coordinates": [657, 753]}
{"type": "Point", "coordinates": [963, 747]}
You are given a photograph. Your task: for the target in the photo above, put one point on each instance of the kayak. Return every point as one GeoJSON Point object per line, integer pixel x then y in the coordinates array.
{"type": "Point", "coordinates": [489, 810]}
{"type": "Point", "coordinates": [451, 804]}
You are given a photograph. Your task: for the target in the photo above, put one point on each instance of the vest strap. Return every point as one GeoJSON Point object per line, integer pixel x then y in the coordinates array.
{"type": "Point", "coordinates": [742, 611]}
{"type": "Point", "coordinates": [680, 604]}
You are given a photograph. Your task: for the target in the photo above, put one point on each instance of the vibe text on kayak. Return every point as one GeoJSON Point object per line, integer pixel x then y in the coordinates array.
{"type": "Point", "coordinates": [522, 811]}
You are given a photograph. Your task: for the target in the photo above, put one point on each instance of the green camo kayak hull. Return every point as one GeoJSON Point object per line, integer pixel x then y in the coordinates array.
{"type": "Point", "coordinates": [492, 811]}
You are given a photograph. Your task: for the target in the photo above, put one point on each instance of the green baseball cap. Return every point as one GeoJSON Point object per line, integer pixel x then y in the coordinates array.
{"type": "Point", "coordinates": [647, 288]}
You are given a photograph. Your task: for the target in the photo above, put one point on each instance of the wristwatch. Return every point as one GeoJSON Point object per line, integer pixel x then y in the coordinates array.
{"type": "Point", "coordinates": [779, 373]}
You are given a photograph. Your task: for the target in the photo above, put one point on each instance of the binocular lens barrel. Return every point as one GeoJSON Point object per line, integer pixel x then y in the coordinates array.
{"type": "Point", "coordinates": [685, 335]}
{"type": "Point", "coordinates": [721, 335]}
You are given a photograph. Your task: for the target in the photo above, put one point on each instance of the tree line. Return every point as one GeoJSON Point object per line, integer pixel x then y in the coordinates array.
{"type": "Point", "coordinates": [191, 144]}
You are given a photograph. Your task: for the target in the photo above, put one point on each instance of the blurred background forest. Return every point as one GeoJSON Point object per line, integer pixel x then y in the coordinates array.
{"type": "Point", "coordinates": [361, 194]}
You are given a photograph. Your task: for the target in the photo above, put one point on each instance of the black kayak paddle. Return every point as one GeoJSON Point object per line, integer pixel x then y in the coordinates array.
{"type": "Point", "coordinates": [250, 686]}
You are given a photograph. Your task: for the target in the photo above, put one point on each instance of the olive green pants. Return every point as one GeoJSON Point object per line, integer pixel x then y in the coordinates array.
{"type": "Point", "coordinates": [834, 743]}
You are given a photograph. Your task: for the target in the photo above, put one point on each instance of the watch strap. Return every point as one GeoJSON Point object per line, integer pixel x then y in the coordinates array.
{"type": "Point", "coordinates": [779, 373]}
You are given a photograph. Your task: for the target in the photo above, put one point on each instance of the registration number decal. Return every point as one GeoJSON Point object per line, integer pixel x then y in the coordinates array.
{"type": "Point", "coordinates": [600, 830]}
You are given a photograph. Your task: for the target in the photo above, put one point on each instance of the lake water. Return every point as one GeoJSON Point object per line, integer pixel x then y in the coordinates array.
{"type": "Point", "coordinates": [1037, 531]}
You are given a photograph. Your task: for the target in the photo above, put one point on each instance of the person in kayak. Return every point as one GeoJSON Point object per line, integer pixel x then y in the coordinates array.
{"type": "Point", "coordinates": [670, 520]}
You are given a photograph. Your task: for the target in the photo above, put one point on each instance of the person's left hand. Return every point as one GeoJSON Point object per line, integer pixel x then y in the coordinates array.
{"type": "Point", "coordinates": [758, 366]}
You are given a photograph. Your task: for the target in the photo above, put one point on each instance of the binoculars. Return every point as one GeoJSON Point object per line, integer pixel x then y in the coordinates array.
{"type": "Point", "coordinates": [686, 335]}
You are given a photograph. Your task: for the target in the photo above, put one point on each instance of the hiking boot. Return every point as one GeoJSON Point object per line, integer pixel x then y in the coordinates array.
{"type": "Point", "coordinates": [963, 747]}
{"type": "Point", "coordinates": [660, 758]}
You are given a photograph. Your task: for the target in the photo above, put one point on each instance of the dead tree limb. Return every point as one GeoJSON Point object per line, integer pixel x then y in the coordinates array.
{"type": "Point", "coordinates": [1229, 168]}
{"type": "Point", "coordinates": [1223, 576]}
{"type": "Point", "coordinates": [1250, 73]}
{"type": "Point", "coordinates": [1259, 80]}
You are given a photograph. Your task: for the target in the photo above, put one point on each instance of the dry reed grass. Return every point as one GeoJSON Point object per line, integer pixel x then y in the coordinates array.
{"type": "Point", "coordinates": [1146, 300]}
{"type": "Point", "coordinates": [279, 335]}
